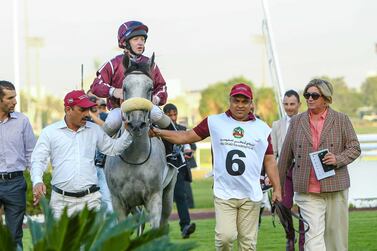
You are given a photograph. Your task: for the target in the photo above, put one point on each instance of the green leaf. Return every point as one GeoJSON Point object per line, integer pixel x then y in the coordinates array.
{"type": "Point", "coordinates": [90, 230]}
{"type": "Point", "coordinates": [48, 215]}
{"type": "Point", "coordinates": [148, 236]}
{"type": "Point", "coordinates": [35, 230]}
{"type": "Point", "coordinates": [6, 240]}
{"type": "Point", "coordinates": [124, 228]}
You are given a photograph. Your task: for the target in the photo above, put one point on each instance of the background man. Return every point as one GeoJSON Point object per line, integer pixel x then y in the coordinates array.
{"type": "Point", "coordinates": [291, 103]}
{"type": "Point", "coordinates": [241, 145]}
{"type": "Point", "coordinates": [98, 115]}
{"type": "Point", "coordinates": [16, 145]}
{"type": "Point", "coordinates": [184, 174]}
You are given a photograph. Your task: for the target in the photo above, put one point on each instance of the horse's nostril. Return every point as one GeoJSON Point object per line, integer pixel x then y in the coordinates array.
{"type": "Point", "coordinates": [143, 124]}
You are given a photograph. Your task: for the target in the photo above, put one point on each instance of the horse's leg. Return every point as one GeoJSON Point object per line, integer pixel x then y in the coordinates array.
{"type": "Point", "coordinates": [121, 210]}
{"type": "Point", "coordinates": [167, 201]}
{"type": "Point", "coordinates": [153, 206]}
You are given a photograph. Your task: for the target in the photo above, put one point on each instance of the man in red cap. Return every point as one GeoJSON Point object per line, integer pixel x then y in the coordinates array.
{"type": "Point", "coordinates": [71, 145]}
{"type": "Point", "coordinates": [241, 146]}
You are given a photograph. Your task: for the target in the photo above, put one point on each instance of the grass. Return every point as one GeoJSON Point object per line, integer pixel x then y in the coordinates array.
{"type": "Point", "coordinates": [364, 127]}
{"type": "Point", "coordinates": [203, 193]}
{"type": "Point", "coordinates": [362, 234]}
{"type": "Point", "coordinates": [362, 226]}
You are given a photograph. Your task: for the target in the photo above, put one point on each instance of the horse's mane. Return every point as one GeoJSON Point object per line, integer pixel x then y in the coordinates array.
{"type": "Point", "coordinates": [130, 66]}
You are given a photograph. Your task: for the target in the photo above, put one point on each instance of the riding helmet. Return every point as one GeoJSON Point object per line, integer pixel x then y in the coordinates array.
{"type": "Point", "coordinates": [129, 30]}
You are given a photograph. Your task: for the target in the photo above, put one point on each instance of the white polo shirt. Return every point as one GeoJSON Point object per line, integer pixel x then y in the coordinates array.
{"type": "Point", "coordinates": [239, 148]}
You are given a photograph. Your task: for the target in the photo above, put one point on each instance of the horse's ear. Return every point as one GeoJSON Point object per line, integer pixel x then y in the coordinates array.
{"type": "Point", "coordinates": [151, 62]}
{"type": "Point", "coordinates": [126, 61]}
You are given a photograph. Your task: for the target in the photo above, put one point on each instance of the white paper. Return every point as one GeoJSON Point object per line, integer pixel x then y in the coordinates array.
{"type": "Point", "coordinates": [317, 165]}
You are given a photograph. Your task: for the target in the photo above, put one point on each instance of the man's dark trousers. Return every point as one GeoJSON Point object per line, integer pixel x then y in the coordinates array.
{"type": "Point", "coordinates": [13, 198]}
{"type": "Point", "coordinates": [180, 198]}
{"type": "Point", "coordinates": [288, 202]}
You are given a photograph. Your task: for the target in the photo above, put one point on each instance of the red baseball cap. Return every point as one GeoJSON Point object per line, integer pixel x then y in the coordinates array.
{"type": "Point", "coordinates": [241, 89]}
{"type": "Point", "coordinates": [79, 98]}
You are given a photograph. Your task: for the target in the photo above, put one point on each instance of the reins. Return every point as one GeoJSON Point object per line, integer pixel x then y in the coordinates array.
{"type": "Point", "coordinates": [284, 215]}
{"type": "Point", "coordinates": [148, 156]}
{"type": "Point", "coordinates": [137, 164]}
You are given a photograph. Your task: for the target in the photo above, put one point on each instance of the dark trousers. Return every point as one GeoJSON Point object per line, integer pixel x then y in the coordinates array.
{"type": "Point", "coordinates": [189, 196]}
{"type": "Point", "coordinates": [13, 198]}
{"type": "Point", "coordinates": [288, 202]}
{"type": "Point", "coordinates": [181, 200]}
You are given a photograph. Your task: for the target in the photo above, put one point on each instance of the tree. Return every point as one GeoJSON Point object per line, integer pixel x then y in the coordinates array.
{"type": "Point", "coordinates": [265, 104]}
{"type": "Point", "coordinates": [369, 91]}
{"type": "Point", "coordinates": [215, 98]}
{"type": "Point", "coordinates": [345, 99]}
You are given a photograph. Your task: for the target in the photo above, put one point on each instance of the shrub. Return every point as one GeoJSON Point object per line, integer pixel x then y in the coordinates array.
{"type": "Point", "coordinates": [90, 230]}
{"type": "Point", "coordinates": [30, 208]}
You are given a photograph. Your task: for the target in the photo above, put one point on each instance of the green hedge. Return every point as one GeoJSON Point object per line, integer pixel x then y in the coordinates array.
{"type": "Point", "coordinates": [30, 208]}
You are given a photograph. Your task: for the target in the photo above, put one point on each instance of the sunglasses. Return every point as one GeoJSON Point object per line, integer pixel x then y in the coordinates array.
{"type": "Point", "coordinates": [314, 95]}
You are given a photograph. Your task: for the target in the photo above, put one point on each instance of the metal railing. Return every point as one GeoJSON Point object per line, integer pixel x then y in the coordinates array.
{"type": "Point", "coordinates": [368, 145]}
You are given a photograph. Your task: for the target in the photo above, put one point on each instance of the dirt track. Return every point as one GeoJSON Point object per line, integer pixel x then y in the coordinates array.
{"type": "Point", "coordinates": [198, 215]}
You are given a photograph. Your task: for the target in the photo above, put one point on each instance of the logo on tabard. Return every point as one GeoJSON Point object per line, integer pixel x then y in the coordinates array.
{"type": "Point", "coordinates": [238, 132]}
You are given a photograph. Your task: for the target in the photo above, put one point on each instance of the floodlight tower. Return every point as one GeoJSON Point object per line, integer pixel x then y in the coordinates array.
{"type": "Point", "coordinates": [16, 54]}
{"type": "Point", "coordinates": [273, 61]}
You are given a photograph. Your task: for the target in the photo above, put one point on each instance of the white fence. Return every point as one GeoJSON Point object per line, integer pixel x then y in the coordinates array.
{"type": "Point", "coordinates": [363, 171]}
{"type": "Point", "coordinates": [368, 144]}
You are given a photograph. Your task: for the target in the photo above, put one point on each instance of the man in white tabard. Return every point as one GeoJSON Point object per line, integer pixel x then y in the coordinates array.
{"type": "Point", "coordinates": [241, 145]}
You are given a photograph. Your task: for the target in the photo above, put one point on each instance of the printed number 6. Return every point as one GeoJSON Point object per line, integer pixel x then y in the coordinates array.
{"type": "Point", "coordinates": [230, 161]}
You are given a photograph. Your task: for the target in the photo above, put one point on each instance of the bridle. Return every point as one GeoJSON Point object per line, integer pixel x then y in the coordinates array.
{"type": "Point", "coordinates": [149, 152]}
{"type": "Point", "coordinates": [138, 72]}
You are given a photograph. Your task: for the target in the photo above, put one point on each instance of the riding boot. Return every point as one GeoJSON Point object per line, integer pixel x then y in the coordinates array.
{"type": "Point", "coordinates": [173, 152]}
{"type": "Point", "coordinates": [169, 146]}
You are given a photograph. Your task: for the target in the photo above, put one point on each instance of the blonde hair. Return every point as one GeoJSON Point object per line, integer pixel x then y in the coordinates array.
{"type": "Point", "coordinates": [324, 87]}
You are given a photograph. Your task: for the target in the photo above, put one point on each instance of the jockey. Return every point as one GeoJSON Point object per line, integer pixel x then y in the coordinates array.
{"type": "Point", "coordinates": [132, 36]}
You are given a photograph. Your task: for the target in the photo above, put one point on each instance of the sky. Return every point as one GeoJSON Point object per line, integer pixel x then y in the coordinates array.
{"type": "Point", "coordinates": [197, 43]}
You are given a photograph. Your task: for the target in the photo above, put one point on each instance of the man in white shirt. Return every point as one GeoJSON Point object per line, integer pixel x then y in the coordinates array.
{"type": "Point", "coordinates": [71, 145]}
{"type": "Point", "coordinates": [291, 103]}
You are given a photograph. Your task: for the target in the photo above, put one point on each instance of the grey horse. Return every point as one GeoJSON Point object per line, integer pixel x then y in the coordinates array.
{"type": "Point", "coordinates": [140, 175]}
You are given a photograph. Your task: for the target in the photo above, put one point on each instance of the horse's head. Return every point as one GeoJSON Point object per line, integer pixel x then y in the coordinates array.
{"type": "Point", "coordinates": [137, 89]}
